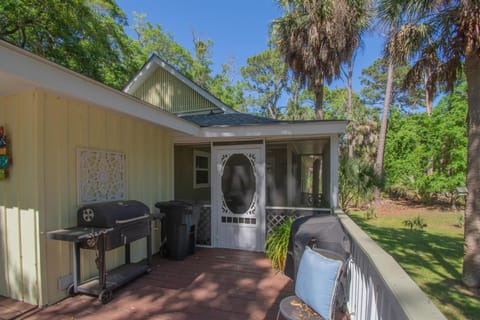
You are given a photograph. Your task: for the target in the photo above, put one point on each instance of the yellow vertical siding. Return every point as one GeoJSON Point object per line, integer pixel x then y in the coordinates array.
{"type": "Point", "coordinates": [164, 90]}
{"type": "Point", "coordinates": [41, 194]}
{"type": "Point", "coordinates": [19, 205]}
{"type": "Point", "coordinates": [14, 254]}
{"type": "Point", "coordinates": [3, 253]}
{"type": "Point", "coordinates": [149, 176]}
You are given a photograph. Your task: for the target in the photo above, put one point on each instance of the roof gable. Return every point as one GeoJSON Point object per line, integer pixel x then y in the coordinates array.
{"type": "Point", "coordinates": [160, 84]}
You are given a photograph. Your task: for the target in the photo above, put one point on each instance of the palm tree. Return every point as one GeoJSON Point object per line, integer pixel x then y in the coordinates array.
{"type": "Point", "coordinates": [442, 38]}
{"type": "Point", "coordinates": [358, 179]}
{"type": "Point", "coordinates": [316, 37]}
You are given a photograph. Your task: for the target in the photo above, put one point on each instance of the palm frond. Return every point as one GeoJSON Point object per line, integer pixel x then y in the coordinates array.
{"type": "Point", "coordinates": [317, 37]}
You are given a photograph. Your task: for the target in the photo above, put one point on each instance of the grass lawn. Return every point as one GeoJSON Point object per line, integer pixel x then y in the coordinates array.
{"type": "Point", "coordinates": [432, 257]}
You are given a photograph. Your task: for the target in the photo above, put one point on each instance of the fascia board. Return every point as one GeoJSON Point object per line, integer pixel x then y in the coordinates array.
{"type": "Point", "coordinates": [276, 130]}
{"type": "Point", "coordinates": [145, 72]}
{"type": "Point", "coordinates": [55, 78]}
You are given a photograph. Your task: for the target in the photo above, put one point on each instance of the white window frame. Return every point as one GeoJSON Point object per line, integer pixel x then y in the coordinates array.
{"type": "Point", "coordinates": [198, 153]}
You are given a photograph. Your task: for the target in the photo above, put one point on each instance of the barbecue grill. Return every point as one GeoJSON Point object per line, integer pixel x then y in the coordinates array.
{"type": "Point", "coordinates": [103, 227]}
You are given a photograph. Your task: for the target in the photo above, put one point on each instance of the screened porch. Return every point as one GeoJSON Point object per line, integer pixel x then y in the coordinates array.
{"type": "Point", "coordinates": [297, 177]}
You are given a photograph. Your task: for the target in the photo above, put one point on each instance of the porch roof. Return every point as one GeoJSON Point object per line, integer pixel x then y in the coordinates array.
{"type": "Point", "coordinates": [268, 130]}
{"type": "Point", "coordinates": [227, 119]}
{"type": "Point", "coordinates": [23, 71]}
{"type": "Point", "coordinates": [241, 119]}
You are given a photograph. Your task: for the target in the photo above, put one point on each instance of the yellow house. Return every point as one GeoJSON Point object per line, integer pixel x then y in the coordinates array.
{"type": "Point", "coordinates": [176, 140]}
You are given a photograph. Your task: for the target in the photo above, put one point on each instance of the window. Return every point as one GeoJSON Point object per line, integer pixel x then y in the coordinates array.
{"type": "Point", "coordinates": [201, 169]}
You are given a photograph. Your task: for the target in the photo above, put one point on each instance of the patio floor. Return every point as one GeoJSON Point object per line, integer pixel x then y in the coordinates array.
{"type": "Point", "coordinates": [12, 309]}
{"type": "Point", "coordinates": [211, 284]}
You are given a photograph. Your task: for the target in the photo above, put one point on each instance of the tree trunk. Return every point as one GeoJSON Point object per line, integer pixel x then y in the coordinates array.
{"type": "Point", "coordinates": [319, 101]}
{"type": "Point", "coordinates": [273, 111]}
{"type": "Point", "coordinates": [383, 125]}
{"type": "Point", "coordinates": [471, 260]}
{"type": "Point", "coordinates": [428, 96]}
{"type": "Point", "coordinates": [350, 90]}
{"type": "Point", "coordinates": [351, 143]}
{"type": "Point", "coordinates": [428, 109]}
{"type": "Point", "coordinates": [295, 104]}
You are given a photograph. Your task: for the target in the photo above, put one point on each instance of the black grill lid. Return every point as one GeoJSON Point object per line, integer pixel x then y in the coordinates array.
{"type": "Point", "coordinates": [328, 232]}
{"type": "Point", "coordinates": [106, 214]}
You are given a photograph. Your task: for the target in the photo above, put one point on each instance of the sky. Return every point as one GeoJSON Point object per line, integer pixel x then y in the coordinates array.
{"type": "Point", "coordinates": [238, 28]}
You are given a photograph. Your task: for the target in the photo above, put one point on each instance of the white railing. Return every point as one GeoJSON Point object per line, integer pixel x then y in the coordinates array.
{"type": "Point", "coordinates": [379, 288]}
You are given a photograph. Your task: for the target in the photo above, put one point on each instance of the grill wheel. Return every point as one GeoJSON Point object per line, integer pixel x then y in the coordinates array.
{"type": "Point", "coordinates": [106, 295]}
{"type": "Point", "coordinates": [71, 290]}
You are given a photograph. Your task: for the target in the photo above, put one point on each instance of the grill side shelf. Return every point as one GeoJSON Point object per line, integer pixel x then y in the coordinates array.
{"type": "Point", "coordinates": [77, 234]}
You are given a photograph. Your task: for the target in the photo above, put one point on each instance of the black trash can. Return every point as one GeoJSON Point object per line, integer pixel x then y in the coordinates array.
{"type": "Point", "coordinates": [180, 228]}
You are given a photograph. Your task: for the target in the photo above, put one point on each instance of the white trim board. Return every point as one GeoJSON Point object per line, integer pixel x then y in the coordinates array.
{"type": "Point", "coordinates": [276, 130]}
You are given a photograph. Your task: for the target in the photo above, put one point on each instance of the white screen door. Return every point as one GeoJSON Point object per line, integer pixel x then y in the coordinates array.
{"type": "Point", "coordinates": [238, 197]}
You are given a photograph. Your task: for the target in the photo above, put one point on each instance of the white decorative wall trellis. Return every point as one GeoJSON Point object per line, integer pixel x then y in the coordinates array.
{"type": "Point", "coordinates": [101, 176]}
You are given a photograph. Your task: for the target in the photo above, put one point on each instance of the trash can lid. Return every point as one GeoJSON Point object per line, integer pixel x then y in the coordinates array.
{"type": "Point", "coordinates": [173, 203]}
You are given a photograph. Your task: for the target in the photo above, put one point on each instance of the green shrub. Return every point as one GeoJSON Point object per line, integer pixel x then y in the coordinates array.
{"type": "Point", "coordinates": [417, 223]}
{"type": "Point", "coordinates": [276, 245]}
{"type": "Point", "coordinates": [426, 156]}
{"type": "Point", "coordinates": [370, 214]}
{"type": "Point", "coordinates": [460, 220]}
{"type": "Point", "coordinates": [357, 181]}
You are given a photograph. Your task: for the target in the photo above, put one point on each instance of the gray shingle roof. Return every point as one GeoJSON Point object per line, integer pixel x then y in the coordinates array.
{"type": "Point", "coordinates": [228, 119]}
{"type": "Point", "coordinates": [240, 119]}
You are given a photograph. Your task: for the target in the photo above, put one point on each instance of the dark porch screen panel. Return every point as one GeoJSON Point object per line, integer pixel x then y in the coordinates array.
{"type": "Point", "coordinates": [238, 183]}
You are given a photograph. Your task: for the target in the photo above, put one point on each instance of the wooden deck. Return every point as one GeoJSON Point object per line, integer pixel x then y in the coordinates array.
{"type": "Point", "coordinates": [13, 309]}
{"type": "Point", "coordinates": [211, 284]}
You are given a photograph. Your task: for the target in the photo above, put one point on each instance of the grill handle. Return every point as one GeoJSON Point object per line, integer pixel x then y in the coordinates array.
{"type": "Point", "coordinates": [132, 220]}
{"type": "Point", "coordinates": [94, 234]}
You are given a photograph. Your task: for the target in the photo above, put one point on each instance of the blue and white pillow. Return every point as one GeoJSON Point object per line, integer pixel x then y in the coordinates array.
{"type": "Point", "coordinates": [317, 280]}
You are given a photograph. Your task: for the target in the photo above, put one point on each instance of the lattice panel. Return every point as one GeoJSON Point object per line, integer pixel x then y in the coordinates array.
{"type": "Point", "coordinates": [204, 226]}
{"type": "Point", "coordinates": [276, 217]}
{"type": "Point", "coordinates": [101, 176]}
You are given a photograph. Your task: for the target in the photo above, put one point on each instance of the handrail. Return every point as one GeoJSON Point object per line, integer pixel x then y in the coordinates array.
{"type": "Point", "coordinates": [298, 208]}
{"type": "Point", "coordinates": [379, 287]}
